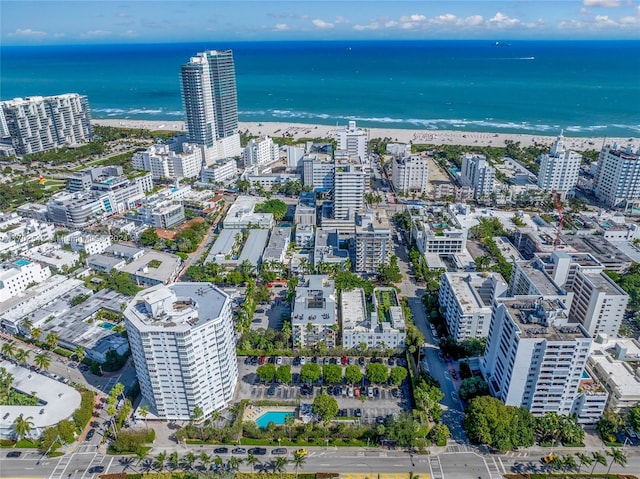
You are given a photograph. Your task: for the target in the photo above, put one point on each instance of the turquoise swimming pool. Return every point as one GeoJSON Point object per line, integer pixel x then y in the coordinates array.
{"type": "Point", "coordinates": [276, 417]}
{"type": "Point", "coordinates": [108, 326]}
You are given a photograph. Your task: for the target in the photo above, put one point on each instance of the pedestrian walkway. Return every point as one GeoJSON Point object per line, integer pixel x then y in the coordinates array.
{"type": "Point", "coordinates": [379, 475]}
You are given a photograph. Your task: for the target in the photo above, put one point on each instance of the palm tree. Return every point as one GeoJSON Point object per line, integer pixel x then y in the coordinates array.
{"type": "Point", "coordinates": [584, 459]}
{"type": "Point", "coordinates": [298, 462]}
{"type": "Point", "coordinates": [218, 461]}
{"type": "Point", "coordinates": [598, 459]}
{"type": "Point", "coordinates": [36, 333]}
{"type": "Point", "coordinates": [215, 416]}
{"type": "Point", "coordinates": [188, 460]}
{"type": "Point", "coordinates": [144, 412]}
{"type": "Point", "coordinates": [79, 353]}
{"type": "Point", "coordinates": [197, 414]}
{"type": "Point", "coordinates": [126, 462]}
{"type": "Point", "coordinates": [51, 340]}
{"type": "Point", "coordinates": [142, 454]}
{"type": "Point", "coordinates": [21, 355]}
{"type": "Point", "coordinates": [158, 461]}
{"type": "Point", "coordinates": [569, 462]}
{"type": "Point", "coordinates": [42, 361]}
{"type": "Point", "coordinates": [8, 349]}
{"type": "Point", "coordinates": [22, 426]}
{"type": "Point", "coordinates": [205, 459]}
{"type": "Point", "coordinates": [234, 463]}
{"type": "Point", "coordinates": [174, 460]}
{"type": "Point", "coordinates": [252, 460]}
{"type": "Point", "coordinates": [26, 324]}
{"type": "Point", "coordinates": [279, 464]}
{"type": "Point", "coordinates": [617, 457]}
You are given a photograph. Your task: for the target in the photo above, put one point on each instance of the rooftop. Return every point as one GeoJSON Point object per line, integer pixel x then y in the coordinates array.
{"type": "Point", "coordinates": [541, 280]}
{"type": "Point", "coordinates": [315, 301]}
{"type": "Point", "coordinates": [169, 263]}
{"type": "Point", "coordinates": [277, 243]}
{"type": "Point", "coordinates": [474, 290]}
{"type": "Point", "coordinates": [179, 306]}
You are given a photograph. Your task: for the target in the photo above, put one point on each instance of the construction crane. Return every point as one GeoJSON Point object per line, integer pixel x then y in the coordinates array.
{"type": "Point", "coordinates": [560, 212]}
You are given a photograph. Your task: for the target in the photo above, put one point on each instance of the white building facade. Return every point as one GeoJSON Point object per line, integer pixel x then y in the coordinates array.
{"type": "Point", "coordinates": [410, 174]}
{"type": "Point", "coordinates": [559, 169]}
{"type": "Point", "coordinates": [353, 140]}
{"type": "Point", "coordinates": [183, 343]}
{"type": "Point", "coordinates": [18, 276]}
{"type": "Point", "coordinates": [477, 172]}
{"type": "Point", "coordinates": [260, 152]}
{"type": "Point", "coordinates": [617, 179]}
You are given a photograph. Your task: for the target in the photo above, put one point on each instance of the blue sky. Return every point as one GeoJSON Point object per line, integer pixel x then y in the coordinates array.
{"type": "Point", "coordinates": [26, 22]}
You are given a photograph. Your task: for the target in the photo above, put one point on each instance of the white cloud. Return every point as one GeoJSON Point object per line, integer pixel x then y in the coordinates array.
{"type": "Point", "coordinates": [601, 3]}
{"type": "Point", "coordinates": [413, 18]}
{"type": "Point", "coordinates": [281, 27]}
{"type": "Point", "coordinates": [604, 21]}
{"type": "Point", "coordinates": [27, 33]}
{"type": "Point", "coordinates": [370, 26]}
{"type": "Point", "coordinates": [500, 20]}
{"type": "Point", "coordinates": [321, 24]}
{"type": "Point", "coordinates": [95, 33]}
{"type": "Point", "coordinates": [453, 20]}
{"type": "Point", "coordinates": [629, 20]}
{"type": "Point", "coordinates": [341, 20]}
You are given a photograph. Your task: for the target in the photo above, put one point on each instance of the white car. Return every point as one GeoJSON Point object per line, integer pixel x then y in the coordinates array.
{"type": "Point", "coordinates": [279, 360]}
{"type": "Point", "coordinates": [303, 360]}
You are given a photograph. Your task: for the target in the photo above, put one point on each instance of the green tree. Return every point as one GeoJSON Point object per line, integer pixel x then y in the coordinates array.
{"type": "Point", "coordinates": [159, 460]}
{"type": "Point", "coordinates": [298, 462]}
{"type": "Point", "coordinates": [266, 372]}
{"type": "Point", "coordinates": [26, 324]}
{"type": "Point", "coordinates": [352, 374]}
{"type": "Point", "coordinates": [377, 373]}
{"type": "Point", "coordinates": [205, 459]}
{"type": "Point", "coordinates": [51, 340]}
{"type": "Point", "coordinates": [8, 349]}
{"type": "Point", "coordinates": [283, 373]}
{"type": "Point", "coordinates": [598, 459]}
{"type": "Point", "coordinates": [42, 361]}
{"type": "Point", "coordinates": [310, 372]}
{"type": "Point", "coordinates": [79, 353]}
{"type": "Point", "coordinates": [473, 387]}
{"type": "Point", "coordinates": [22, 426]}
{"type": "Point", "coordinates": [21, 355]}
{"type": "Point", "coordinates": [332, 373]}
{"type": "Point", "coordinates": [148, 237]}
{"type": "Point", "coordinates": [397, 375]}
{"type": "Point", "coordinates": [252, 460]}
{"type": "Point", "coordinates": [609, 425]}
{"type": "Point", "coordinates": [402, 430]}
{"type": "Point", "coordinates": [325, 407]}
{"type": "Point", "coordinates": [633, 418]}
{"type": "Point", "coordinates": [440, 434]}
{"type": "Point", "coordinates": [414, 339]}
{"type": "Point", "coordinates": [617, 457]}
{"type": "Point", "coordinates": [390, 273]}
{"type": "Point", "coordinates": [584, 460]}
{"type": "Point", "coordinates": [188, 460]}
{"type": "Point", "coordinates": [144, 412]}
{"type": "Point", "coordinates": [174, 460]}
{"type": "Point", "coordinates": [36, 333]}
{"type": "Point", "coordinates": [279, 464]}
{"type": "Point", "coordinates": [277, 207]}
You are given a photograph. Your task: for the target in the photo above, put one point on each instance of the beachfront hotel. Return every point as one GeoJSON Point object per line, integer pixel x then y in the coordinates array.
{"type": "Point", "coordinates": [43, 123]}
{"type": "Point", "coordinates": [209, 97]}
{"type": "Point", "coordinates": [559, 169]}
{"type": "Point", "coordinates": [617, 179]}
{"type": "Point", "coordinates": [183, 344]}
{"type": "Point", "coordinates": [479, 174]}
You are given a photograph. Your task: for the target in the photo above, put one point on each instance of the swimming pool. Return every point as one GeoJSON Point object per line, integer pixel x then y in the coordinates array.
{"type": "Point", "coordinates": [585, 375]}
{"type": "Point", "coordinates": [276, 417]}
{"type": "Point", "coordinates": [22, 262]}
{"type": "Point", "coordinates": [108, 326]}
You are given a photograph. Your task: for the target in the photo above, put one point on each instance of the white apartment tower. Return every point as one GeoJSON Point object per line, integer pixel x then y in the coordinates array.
{"type": "Point", "coordinates": [260, 152]}
{"type": "Point", "coordinates": [534, 357]}
{"type": "Point", "coordinates": [477, 172]}
{"type": "Point", "coordinates": [559, 169]}
{"type": "Point", "coordinates": [166, 164]}
{"type": "Point", "coordinates": [210, 102]}
{"type": "Point", "coordinates": [43, 123]}
{"type": "Point", "coordinates": [371, 246]}
{"type": "Point", "coordinates": [410, 174]}
{"type": "Point", "coordinates": [466, 300]}
{"type": "Point", "coordinates": [353, 140]}
{"type": "Point", "coordinates": [183, 343]}
{"type": "Point", "coordinates": [350, 182]}
{"type": "Point", "coordinates": [617, 180]}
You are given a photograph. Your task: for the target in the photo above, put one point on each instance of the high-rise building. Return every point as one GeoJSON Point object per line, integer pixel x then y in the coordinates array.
{"type": "Point", "coordinates": [477, 172]}
{"type": "Point", "coordinates": [559, 169]}
{"type": "Point", "coordinates": [261, 152]}
{"type": "Point", "coordinates": [410, 174]}
{"type": "Point", "coordinates": [371, 246]}
{"type": "Point", "coordinates": [350, 182]}
{"type": "Point", "coordinates": [617, 180]}
{"type": "Point", "coordinates": [183, 343]}
{"type": "Point", "coordinates": [353, 140]}
{"type": "Point", "coordinates": [42, 123]}
{"type": "Point", "coordinates": [172, 160]}
{"type": "Point", "coordinates": [210, 102]}
{"type": "Point", "coordinates": [534, 357]}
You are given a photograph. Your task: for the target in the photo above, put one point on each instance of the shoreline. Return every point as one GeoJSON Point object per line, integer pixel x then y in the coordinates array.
{"type": "Point", "coordinates": [400, 135]}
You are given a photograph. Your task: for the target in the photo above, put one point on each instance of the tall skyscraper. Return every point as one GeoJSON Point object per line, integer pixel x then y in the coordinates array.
{"type": "Point", "coordinates": [617, 181]}
{"type": "Point", "coordinates": [210, 103]}
{"type": "Point", "coordinates": [559, 169]}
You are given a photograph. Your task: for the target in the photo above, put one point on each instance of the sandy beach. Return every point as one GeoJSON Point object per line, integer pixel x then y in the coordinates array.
{"type": "Point", "coordinates": [436, 137]}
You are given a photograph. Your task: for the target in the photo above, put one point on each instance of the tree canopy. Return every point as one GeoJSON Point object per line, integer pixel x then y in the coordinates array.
{"type": "Point", "coordinates": [326, 407]}
{"type": "Point", "coordinates": [277, 207]}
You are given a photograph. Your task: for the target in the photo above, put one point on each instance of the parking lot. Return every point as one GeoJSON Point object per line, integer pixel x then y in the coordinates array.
{"type": "Point", "coordinates": [270, 315]}
{"type": "Point", "coordinates": [374, 401]}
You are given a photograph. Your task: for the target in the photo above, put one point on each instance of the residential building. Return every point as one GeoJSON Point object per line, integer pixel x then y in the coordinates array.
{"type": "Point", "coordinates": [170, 161]}
{"type": "Point", "coordinates": [124, 192]}
{"type": "Point", "coordinates": [278, 244]}
{"type": "Point", "coordinates": [614, 363]}
{"type": "Point", "coordinates": [466, 300]}
{"type": "Point", "coordinates": [371, 246]}
{"type": "Point", "coordinates": [18, 234]}
{"type": "Point", "coordinates": [182, 340]}
{"type": "Point", "coordinates": [313, 317]}
{"type": "Point", "coordinates": [617, 179]}
{"type": "Point", "coordinates": [304, 236]}
{"type": "Point", "coordinates": [261, 152]}
{"type": "Point", "coordinates": [87, 242]}
{"type": "Point", "coordinates": [154, 267]}
{"type": "Point", "coordinates": [477, 173]}
{"type": "Point", "coordinates": [435, 232]}
{"type": "Point", "coordinates": [241, 214]}
{"type": "Point", "coordinates": [354, 141]}
{"type": "Point", "coordinates": [36, 211]}
{"type": "Point", "coordinates": [268, 181]}
{"type": "Point", "coordinates": [559, 169]}
{"type": "Point", "coordinates": [327, 249]}
{"type": "Point", "coordinates": [77, 210]}
{"type": "Point", "coordinates": [410, 174]}
{"type": "Point", "coordinates": [43, 123]}
{"type": "Point", "coordinates": [220, 171]}
{"type": "Point", "coordinates": [250, 243]}
{"type": "Point", "coordinates": [20, 275]}
{"type": "Point", "coordinates": [306, 213]}
{"type": "Point", "coordinates": [350, 182]}
{"type": "Point", "coordinates": [534, 356]}
{"type": "Point", "coordinates": [209, 96]}
{"type": "Point", "coordinates": [384, 327]}
{"type": "Point", "coordinates": [318, 172]}
{"type": "Point", "coordinates": [52, 255]}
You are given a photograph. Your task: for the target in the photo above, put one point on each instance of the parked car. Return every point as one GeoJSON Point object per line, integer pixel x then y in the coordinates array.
{"type": "Point", "coordinates": [238, 450]}
{"type": "Point", "coordinates": [96, 469]}
{"type": "Point", "coordinates": [356, 392]}
{"type": "Point", "coordinates": [14, 454]}
{"type": "Point", "coordinates": [258, 451]}
{"type": "Point", "coordinates": [272, 390]}
{"type": "Point", "coordinates": [301, 452]}
{"type": "Point", "coordinates": [303, 360]}
{"type": "Point", "coordinates": [279, 451]}
{"type": "Point", "coordinates": [90, 435]}
{"type": "Point", "coordinates": [221, 450]}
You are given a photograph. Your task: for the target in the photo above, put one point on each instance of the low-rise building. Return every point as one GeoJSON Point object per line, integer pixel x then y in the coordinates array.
{"type": "Point", "coordinates": [305, 213]}
{"type": "Point", "coordinates": [410, 174]}
{"type": "Point", "coordinates": [278, 245]}
{"type": "Point", "coordinates": [466, 300]}
{"type": "Point", "coordinates": [154, 267]}
{"type": "Point", "coordinates": [18, 233]}
{"type": "Point", "coordinates": [267, 181]}
{"type": "Point", "coordinates": [20, 275]}
{"type": "Point", "coordinates": [241, 214]}
{"type": "Point", "coordinates": [52, 255]}
{"type": "Point", "coordinates": [172, 160]}
{"type": "Point", "coordinates": [383, 327]}
{"type": "Point", "coordinates": [313, 316]}
{"type": "Point", "coordinates": [305, 236]}
{"type": "Point", "coordinates": [260, 152]}
{"type": "Point", "coordinates": [220, 171]}
{"type": "Point", "coordinates": [435, 232]}
{"type": "Point", "coordinates": [232, 247]}
{"type": "Point", "coordinates": [327, 249]}
{"type": "Point", "coordinates": [87, 242]}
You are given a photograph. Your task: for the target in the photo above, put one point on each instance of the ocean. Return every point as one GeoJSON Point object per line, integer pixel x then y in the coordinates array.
{"type": "Point", "coordinates": [587, 88]}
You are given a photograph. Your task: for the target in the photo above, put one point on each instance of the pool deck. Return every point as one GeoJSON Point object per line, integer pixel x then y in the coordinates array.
{"type": "Point", "coordinates": [251, 413]}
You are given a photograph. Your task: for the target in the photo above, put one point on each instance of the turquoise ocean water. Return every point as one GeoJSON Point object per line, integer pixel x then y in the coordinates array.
{"type": "Point", "coordinates": [587, 88]}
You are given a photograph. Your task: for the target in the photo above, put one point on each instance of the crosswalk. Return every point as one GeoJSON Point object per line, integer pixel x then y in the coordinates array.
{"type": "Point", "coordinates": [495, 467]}
{"type": "Point", "coordinates": [58, 471]}
{"type": "Point", "coordinates": [435, 467]}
